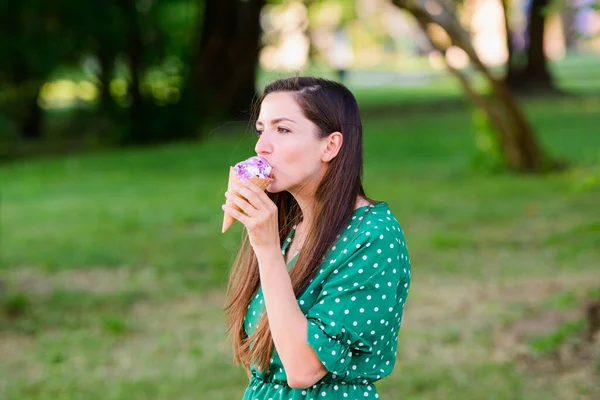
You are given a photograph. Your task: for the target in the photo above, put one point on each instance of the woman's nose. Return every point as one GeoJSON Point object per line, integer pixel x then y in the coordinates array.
{"type": "Point", "coordinates": [263, 146]}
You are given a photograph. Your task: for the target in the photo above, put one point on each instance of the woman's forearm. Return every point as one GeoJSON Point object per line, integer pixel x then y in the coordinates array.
{"type": "Point", "coordinates": [287, 322]}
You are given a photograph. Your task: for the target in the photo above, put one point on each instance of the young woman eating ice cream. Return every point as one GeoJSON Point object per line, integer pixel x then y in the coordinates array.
{"type": "Point", "coordinates": [317, 291]}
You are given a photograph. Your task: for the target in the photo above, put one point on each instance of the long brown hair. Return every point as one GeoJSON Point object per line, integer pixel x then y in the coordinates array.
{"type": "Point", "coordinates": [331, 107]}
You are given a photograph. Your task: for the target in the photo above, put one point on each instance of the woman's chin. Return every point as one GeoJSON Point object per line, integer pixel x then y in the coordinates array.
{"type": "Point", "coordinates": [273, 188]}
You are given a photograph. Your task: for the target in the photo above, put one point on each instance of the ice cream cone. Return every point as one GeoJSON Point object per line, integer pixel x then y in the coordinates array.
{"type": "Point", "coordinates": [262, 183]}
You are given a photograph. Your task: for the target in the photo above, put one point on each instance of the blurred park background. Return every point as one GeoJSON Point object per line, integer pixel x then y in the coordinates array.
{"type": "Point", "coordinates": [119, 120]}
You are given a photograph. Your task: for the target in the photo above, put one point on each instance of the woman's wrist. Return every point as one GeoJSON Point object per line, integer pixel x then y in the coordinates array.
{"type": "Point", "coordinates": [267, 255]}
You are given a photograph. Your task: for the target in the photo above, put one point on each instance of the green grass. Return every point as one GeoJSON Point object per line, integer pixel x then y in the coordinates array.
{"type": "Point", "coordinates": [114, 267]}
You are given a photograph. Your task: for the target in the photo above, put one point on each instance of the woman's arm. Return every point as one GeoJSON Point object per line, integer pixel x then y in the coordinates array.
{"type": "Point", "coordinates": [287, 322]}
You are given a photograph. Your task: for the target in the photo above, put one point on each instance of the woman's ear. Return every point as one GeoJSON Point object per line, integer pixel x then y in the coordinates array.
{"type": "Point", "coordinates": [333, 144]}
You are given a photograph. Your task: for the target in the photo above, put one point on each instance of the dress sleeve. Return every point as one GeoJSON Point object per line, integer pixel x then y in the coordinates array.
{"type": "Point", "coordinates": [358, 313]}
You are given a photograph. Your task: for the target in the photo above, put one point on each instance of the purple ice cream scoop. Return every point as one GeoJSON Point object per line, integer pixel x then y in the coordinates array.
{"type": "Point", "coordinates": [254, 166]}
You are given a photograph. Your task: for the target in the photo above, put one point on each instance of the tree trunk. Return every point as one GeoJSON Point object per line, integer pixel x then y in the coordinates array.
{"type": "Point", "coordinates": [31, 123]}
{"type": "Point", "coordinates": [135, 50]}
{"type": "Point", "coordinates": [519, 146]}
{"type": "Point", "coordinates": [593, 320]}
{"type": "Point", "coordinates": [222, 78]}
{"type": "Point", "coordinates": [106, 71]}
{"type": "Point", "coordinates": [24, 108]}
{"type": "Point", "coordinates": [536, 70]}
{"type": "Point", "coordinates": [511, 69]}
{"type": "Point", "coordinates": [534, 76]}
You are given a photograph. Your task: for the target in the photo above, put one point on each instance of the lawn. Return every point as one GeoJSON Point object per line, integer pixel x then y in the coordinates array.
{"type": "Point", "coordinates": [113, 264]}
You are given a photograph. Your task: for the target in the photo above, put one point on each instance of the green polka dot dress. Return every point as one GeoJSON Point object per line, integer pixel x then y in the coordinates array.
{"type": "Point", "coordinates": [354, 310]}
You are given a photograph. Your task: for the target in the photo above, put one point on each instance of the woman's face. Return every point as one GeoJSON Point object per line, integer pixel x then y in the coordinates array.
{"type": "Point", "coordinates": [289, 142]}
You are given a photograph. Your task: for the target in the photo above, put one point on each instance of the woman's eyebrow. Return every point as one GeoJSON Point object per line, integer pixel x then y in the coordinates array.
{"type": "Point", "coordinates": [276, 120]}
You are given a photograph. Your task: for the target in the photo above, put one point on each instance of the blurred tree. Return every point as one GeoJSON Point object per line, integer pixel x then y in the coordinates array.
{"type": "Point", "coordinates": [134, 50]}
{"type": "Point", "coordinates": [518, 145]}
{"type": "Point", "coordinates": [337, 20]}
{"type": "Point", "coordinates": [36, 37]}
{"type": "Point", "coordinates": [223, 68]}
{"type": "Point", "coordinates": [528, 72]}
{"type": "Point", "coordinates": [105, 41]}
{"type": "Point", "coordinates": [173, 62]}
{"type": "Point", "coordinates": [152, 40]}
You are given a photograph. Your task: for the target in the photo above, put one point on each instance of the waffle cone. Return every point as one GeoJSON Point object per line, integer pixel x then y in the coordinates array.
{"type": "Point", "coordinates": [262, 183]}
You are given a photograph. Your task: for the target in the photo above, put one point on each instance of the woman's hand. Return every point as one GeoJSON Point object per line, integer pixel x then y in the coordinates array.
{"type": "Point", "coordinates": [259, 214]}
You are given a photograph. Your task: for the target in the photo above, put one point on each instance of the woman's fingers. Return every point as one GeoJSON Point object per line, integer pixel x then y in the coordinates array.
{"type": "Point", "coordinates": [236, 214]}
{"type": "Point", "coordinates": [251, 193]}
{"type": "Point", "coordinates": [248, 204]}
{"type": "Point", "coordinates": [234, 199]}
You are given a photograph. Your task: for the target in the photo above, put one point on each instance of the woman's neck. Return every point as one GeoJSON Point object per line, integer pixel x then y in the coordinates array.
{"type": "Point", "coordinates": [307, 211]}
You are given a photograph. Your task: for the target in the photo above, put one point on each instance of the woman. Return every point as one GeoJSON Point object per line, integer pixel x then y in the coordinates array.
{"type": "Point", "coordinates": [316, 293]}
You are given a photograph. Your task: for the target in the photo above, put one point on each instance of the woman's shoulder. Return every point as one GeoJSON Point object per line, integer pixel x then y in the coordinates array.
{"type": "Point", "coordinates": [370, 223]}
{"type": "Point", "coordinates": [373, 238]}
{"type": "Point", "coordinates": [380, 217]}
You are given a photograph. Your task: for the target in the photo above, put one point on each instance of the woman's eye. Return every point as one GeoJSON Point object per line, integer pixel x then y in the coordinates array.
{"type": "Point", "coordinates": [258, 132]}
{"type": "Point", "coordinates": [281, 129]}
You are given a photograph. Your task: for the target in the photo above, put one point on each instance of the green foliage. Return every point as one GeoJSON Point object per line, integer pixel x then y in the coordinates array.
{"type": "Point", "coordinates": [58, 358]}
{"type": "Point", "coordinates": [37, 37]}
{"type": "Point", "coordinates": [100, 41]}
{"type": "Point", "coordinates": [14, 304]}
{"type": "Point", "coordinates": [561, 5]}
{"type": "Point", "coordinates": [114, 324]}
{"type": "Point", "coordinates": [580, 237]}
{"type": "Point", "coordinates": [564, 300]}
{"type": "Point", "coordinates": [8, 137]}
{"type": "Point", "coordinates": [569, 333]}
{"type": "Point", "coordinates": [551, 342]}
{"type": "Point", "coordinates": [594, 294]}
{"type": "Point", "coordinates": [589, 178]}
{"type": "Point", "coordinates": [489, 148]}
